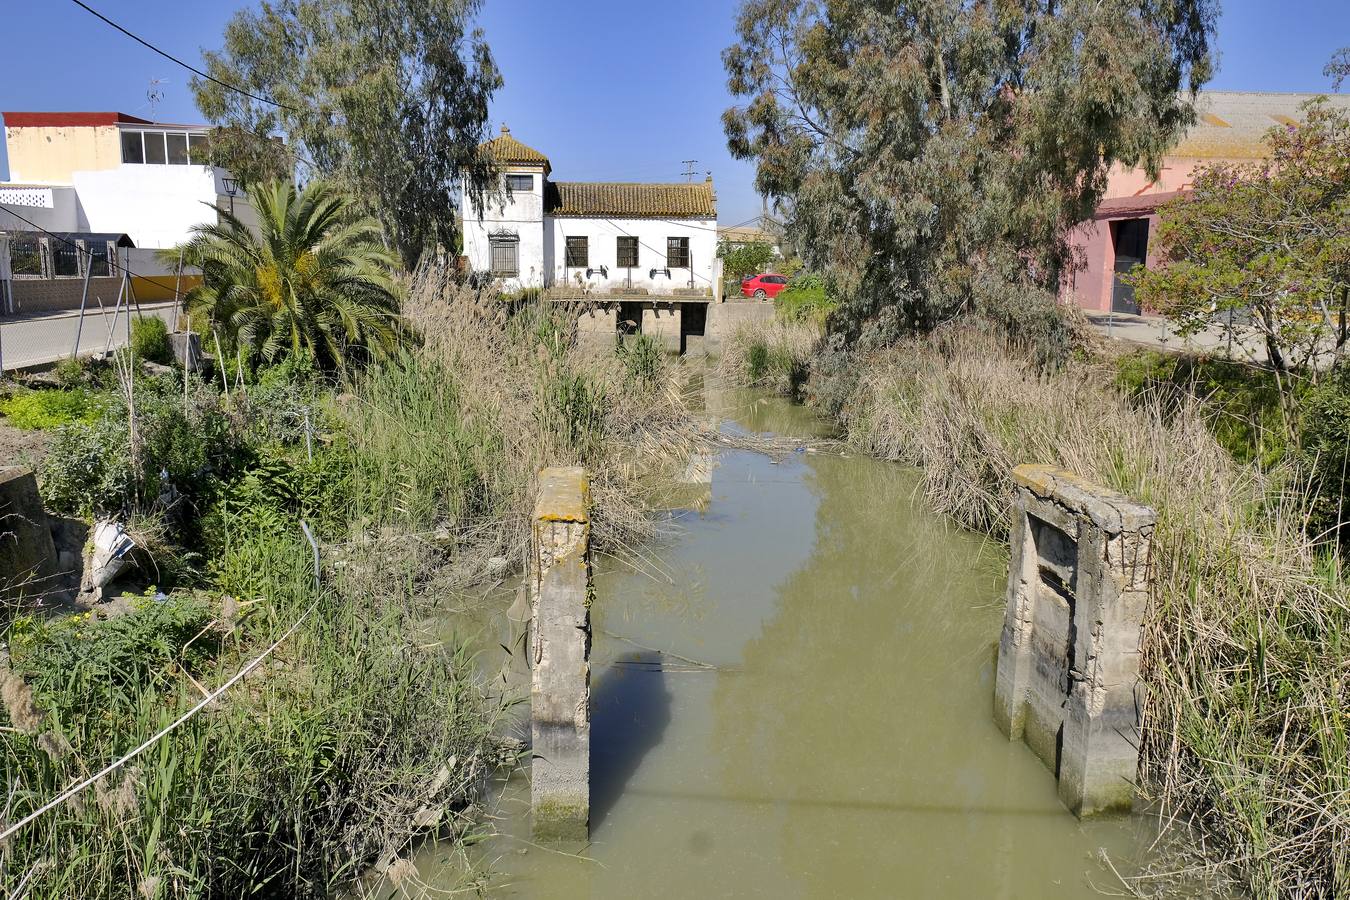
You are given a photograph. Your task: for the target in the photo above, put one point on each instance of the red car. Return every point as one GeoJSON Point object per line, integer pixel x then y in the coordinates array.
{"type": "Point", "coordinates": [764, 286]}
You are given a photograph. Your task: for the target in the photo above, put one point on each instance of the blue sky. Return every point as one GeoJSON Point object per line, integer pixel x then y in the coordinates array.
{"type": "Point", "coordinates": [609, 89]}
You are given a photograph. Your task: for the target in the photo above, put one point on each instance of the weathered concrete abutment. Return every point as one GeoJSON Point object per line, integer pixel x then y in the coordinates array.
{"type": "Point", "coordinates": [560, 647]}
{"type": "Point", "coordinates": [1068, 660]}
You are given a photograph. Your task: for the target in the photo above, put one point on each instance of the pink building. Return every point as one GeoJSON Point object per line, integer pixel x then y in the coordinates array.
{"type": "Point", "coordinates": [1230, 129]}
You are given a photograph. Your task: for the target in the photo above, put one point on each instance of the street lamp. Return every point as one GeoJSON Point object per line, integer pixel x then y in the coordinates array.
{"type": "Point", "coordinates": [231, 188]}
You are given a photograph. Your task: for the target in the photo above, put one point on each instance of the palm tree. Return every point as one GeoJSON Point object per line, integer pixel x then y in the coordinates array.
{"type": "Point", "coordinates": [314, 278]}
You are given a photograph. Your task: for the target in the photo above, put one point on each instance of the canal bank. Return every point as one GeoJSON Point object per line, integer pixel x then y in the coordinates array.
{"type": "Point", "coordinates": [820, 721]}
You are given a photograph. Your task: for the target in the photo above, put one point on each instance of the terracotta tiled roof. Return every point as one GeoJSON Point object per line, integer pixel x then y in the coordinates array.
{"type": "Point", "coordinates": [632, 200]}
{"type": "Point", "coordinates": [507, 149]}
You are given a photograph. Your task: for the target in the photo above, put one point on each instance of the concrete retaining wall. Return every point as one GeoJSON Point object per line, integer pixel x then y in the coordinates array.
{"type": "Point", "coordinates": [725, 318]}
{"type": "Point", "coordinates": [27, 553]}
{"type": "Point", "coordinates": [1068, 662]}
{"type": "Point", "coordinates": [560, 694]}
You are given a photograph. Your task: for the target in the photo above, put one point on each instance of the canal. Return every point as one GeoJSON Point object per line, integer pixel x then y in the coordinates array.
{"type": "Point", "coordinates": [819, 723]}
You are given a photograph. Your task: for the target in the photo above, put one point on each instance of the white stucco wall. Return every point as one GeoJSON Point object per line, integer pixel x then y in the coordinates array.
{"type": "Point", "coordinates": [521, 215]}
{"type": "Point", "coordinates": [55, 208]}
{"type": "Point", "coordinates": [156, 205]}
{"type": "Point", "coordinates": [603, 249]}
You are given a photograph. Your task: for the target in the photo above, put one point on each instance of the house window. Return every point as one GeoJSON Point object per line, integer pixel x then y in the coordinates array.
{"type": "Point", "coordinates": [132, 151]}
{"type": "Point", "coordinates": [65, 259]}
{"type": "Point", "coordinates": [505, 252]}
{"type": "Point", "coordinates": [98, 259]}
{"type": "Point", "coordinates": [154, 148]}
{"type": "Point", "coordinates": [628, 253]}
{"type": "Point", "coordinates": [578, 252]}
{"type": "Point", "coordinates": [25, 257]}
{"type": "Point", "coordinates": [178, 148]}
{"type": "Point", "coordinates": [520, 182]}
{"type": "Point", "coordinates": [199, 150]}
{"type": "Point", "coordinates": [677, 253]}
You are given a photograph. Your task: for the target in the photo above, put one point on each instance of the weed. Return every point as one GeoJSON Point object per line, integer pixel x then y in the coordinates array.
{"type": "Point", "coordinates": [43, 410]}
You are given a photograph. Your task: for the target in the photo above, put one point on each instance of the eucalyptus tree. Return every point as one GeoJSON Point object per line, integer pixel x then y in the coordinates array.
{"type": "Point", "coordinates": [389, 98]}
{"type": "Point", "coordinates": [933, 155]}
{"type": "Point", "coordinates": [311, 279]}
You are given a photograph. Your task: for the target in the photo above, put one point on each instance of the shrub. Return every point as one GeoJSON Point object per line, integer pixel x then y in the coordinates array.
{"type": "Point", "coordinates": [774, 355]}
{"type": "Point", "coordinates": [1324, 449]}
{"type": "Point", "coordinates": [644, 361]}
{"type": "Point", "coordinates": [150, 340]}
{"type": "Point", "coordinates": [71, 372]}
{"type": "Point", "coordinates": [96, 467]}
{"type": "Point", "coordinates": [41, 410]}
{"type": "Point", "coordinates": [806, 298]}
{"type": "Point", "coordinates": [1241, 402]}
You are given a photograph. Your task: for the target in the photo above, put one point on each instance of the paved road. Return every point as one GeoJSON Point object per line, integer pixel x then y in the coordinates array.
{"type": "Point", "coordinates": [1157, 332]}
{"type": "Point", "coordinates": [38, 339]}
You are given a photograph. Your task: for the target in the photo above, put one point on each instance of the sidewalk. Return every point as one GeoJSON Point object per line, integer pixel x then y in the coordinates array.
{"type": "Point", "coordinates": [39, 338]}
{"type": "Point", "coordinates": [1156, 332]}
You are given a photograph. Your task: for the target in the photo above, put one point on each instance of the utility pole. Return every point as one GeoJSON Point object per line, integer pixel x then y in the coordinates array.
{"type": "Point", "coordinates": [688, 172]}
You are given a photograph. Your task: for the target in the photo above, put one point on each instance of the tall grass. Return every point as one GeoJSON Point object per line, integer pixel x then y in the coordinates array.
{"type": "Point", "coordinates": [1247, 644]}
{"type": "Point", "coordinates": [774, 355]}
{"type": "Point", "coordinates": [357, 736]}
{"type": "Point", "coordinates": [454, 434]}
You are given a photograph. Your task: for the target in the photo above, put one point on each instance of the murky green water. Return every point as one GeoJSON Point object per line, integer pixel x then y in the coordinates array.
{"type": "Point", "coordinates": [843, 745]}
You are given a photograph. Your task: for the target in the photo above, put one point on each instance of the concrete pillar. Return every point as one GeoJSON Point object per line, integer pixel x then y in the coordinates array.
{"type": "Point", "coordinates": [560, 695]}
{"type": "Point", "coordinates": [27, 553]}
{"type": "Point", "coordinates": [1068, 660]}
{"type": "Point", "coordinates": [662, 322]}
{"type": "Point", "coordinates": [597, 326]}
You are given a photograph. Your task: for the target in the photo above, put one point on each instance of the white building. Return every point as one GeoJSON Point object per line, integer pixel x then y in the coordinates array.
{"type": "Point", "coordinates": [603, 238]}
{"type": "Point", "coordinates": [110, 177]}
{"type": "Point", "coordinates": [111, 172]}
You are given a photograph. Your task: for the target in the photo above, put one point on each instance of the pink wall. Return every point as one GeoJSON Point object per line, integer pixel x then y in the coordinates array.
{"type": "Point", "coordinates": [1090, 284]}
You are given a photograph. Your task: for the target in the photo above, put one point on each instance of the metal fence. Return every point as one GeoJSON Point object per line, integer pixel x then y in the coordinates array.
{"type": "Point", "coordinates": [31, 340]}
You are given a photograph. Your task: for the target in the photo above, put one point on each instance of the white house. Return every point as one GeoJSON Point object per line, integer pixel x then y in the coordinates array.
{"type": "Point", "coordinates": [96, 177]}
{"type": "Point", "coordinates": [111, 172]}
{"type": "Point", "coordinates": [603, 238]}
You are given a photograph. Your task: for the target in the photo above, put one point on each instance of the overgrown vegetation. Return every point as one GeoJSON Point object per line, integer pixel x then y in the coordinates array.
{"type": "Point", "coordinates": [48, 409]}
{"type": "Point", "coordinates": [150, 340]}
{"type": "Point", "coordinates": [360, 733]}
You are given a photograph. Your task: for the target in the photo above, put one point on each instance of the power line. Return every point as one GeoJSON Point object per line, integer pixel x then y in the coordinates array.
{"type": "Point", "coordinates": [178, 295]}
{"type": "Point", "coordinates": [171, 58]}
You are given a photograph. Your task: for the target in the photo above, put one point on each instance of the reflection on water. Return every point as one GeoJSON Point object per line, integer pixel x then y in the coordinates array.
{"type": "Point", "coordinates": [823, 726]}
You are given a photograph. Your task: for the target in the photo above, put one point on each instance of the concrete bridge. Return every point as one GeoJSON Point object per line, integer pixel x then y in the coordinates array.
{"type": "Point", "coordinates": [691, 322]}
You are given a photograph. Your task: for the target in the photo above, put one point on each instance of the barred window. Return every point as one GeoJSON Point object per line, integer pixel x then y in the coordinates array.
{"type": "Point", "coordinates": [65, 259]}
{"type": "Point", "coordinates": [628, 252]}
{"type": "Point", "coordinates": [677, 253]}
{"type": "Point", "coordinates": [505, 251]}
{"type": "Point", "coordinates": [98, 259]}
{"type": "Point", "coordinates": [25, 257]}
{"type": "Point", "coordinates": [578, 252]}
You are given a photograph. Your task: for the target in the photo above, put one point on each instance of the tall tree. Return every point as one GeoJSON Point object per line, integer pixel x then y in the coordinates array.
{"type": "Point", "coordinates": [314, 279]}
{"type": "Point", "coordinates": [389, 98]}
{"type": "Point", "coordinates": [932, 155]}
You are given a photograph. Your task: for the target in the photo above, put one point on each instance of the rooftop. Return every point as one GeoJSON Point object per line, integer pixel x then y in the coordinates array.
{"type": "Point", "coordinates": [1232, 124]}
{"type": "Point", "coordinates": [507, 149]}
{"type": "Point", "coordinates": [632, 200]}
{"type": "Point", "coordinates": [80, 120]}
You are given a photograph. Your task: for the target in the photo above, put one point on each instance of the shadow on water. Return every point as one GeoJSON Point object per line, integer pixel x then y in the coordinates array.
{"type": "Point", "coordinates": [630, 709]}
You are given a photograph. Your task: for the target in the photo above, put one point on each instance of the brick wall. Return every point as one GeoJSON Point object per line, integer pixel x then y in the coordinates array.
{"type": "Point", "coordinates": [49, 295]}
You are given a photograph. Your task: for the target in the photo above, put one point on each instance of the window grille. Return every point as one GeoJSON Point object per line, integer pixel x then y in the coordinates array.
{"type": "Point", "coordinates": [505, 252]}
{"type": "Point", "coordinates": [677, 252]}
{"type": "Point", "coordinates": [628, 253]}
{"type": "Point", "coordinates": [25, 257]}
{"type": "Point", "coordinates": [578, 252]}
